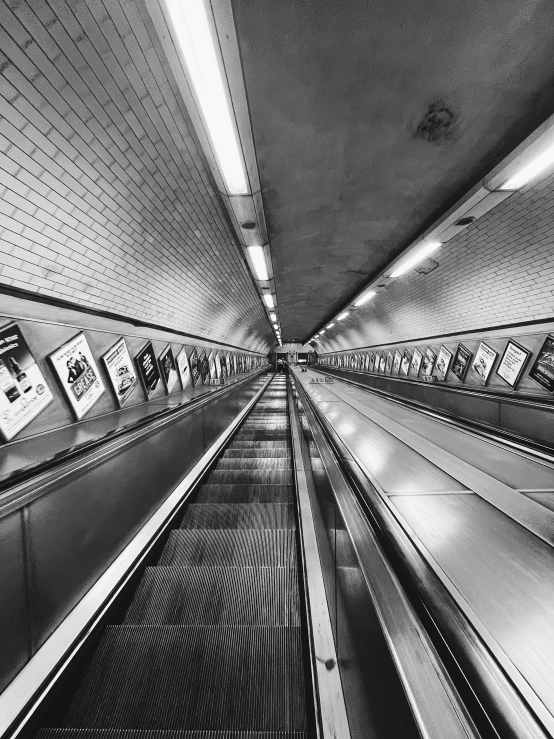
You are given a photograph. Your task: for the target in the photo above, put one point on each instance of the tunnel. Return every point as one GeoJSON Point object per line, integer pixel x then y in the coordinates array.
{"type": "Point", "coordinates": [276, 369]}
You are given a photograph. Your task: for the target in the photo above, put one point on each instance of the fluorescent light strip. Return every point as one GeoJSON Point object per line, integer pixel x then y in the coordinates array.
{"type": "Point", "coordinates": [532, 170]}
{"type": "Point", "coordinates": [343, 316]}
{"type": "Point", "coordinates": [330, 325]}
{"type": "Point", "coordinates": [268, 299]}
{"type": "Point", "coordinates": [416, 258]}
{"type": "Point", "coordinates": [258, 260]}
{"type": "Point", "coordinates": [273, 316]}
{"type": "Point", "coordinates": [361, 301]}
{"type": "Point", "coordinates": [197, 45]}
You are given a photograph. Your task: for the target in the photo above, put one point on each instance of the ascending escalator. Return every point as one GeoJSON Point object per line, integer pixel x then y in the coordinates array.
{"type": "Point", "coordinates": [212, 640]}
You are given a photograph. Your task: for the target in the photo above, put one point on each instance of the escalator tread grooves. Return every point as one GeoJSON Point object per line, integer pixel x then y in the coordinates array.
{"type": "Point", "coordinates": [211, 643]}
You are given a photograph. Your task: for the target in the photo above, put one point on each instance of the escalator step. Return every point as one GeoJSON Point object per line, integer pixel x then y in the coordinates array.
{"type": "Point", "coordinates": [194, 677]}
{"type": "Point", "coordinates": [238, 516]}
{"type": "Point", "coordinates": [225, 596]}
{"type": "Point", "coordinates": [275, 452]}
{"type": "Point", "coordinates": [250, 477]}
{"type": "Point", "coordinates": [245, 494]}
{"type": "Point", "coordinates": [262, 444]}
{"type": "Point", "coordinates": [254, 463]}
{"type": "Point", "coordinates": [265, 435]}
{"type": "Point", "coordinates": [72, 733]}
{"type": "Point", "coordinates": [240, 548]}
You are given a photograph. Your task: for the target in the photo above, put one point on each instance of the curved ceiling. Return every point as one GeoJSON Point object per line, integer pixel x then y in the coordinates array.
{"type": "Point", "coordinates": [371, 118]}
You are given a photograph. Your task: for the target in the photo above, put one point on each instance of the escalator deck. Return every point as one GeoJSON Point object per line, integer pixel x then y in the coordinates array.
{"type": "Point", "coordinates": [211, 644]}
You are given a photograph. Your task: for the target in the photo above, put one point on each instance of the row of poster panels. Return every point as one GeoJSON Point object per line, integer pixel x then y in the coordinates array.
{"type": "Point", "coordinates": [24, 391]}
{"type": "Point", "coordinates": [427, 363]}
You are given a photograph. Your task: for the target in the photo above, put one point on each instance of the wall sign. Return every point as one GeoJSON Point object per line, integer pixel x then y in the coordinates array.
{"type": "Point", "coordinates": [542, 370]}
{"type": "Point", "coordinates": [512, 363]}
{"type": "Point", "coordinates": [416, 362]}
{"type": "Point", "coordinates": [405, 364]}
{"type": "Point", "coordinates": [169, 369]}
{"type": "Point", "coordinates": [183, 368]}
{"type": "Point", "coordinates": [121, 373]}
{"type": "Point", "coordinates": [443, 363]}
{"type": "Point", "coordinates": [428, 362]}
{"type": "Point", "coordinates": [148, 369]}
{"type": "Point", "coordinates": [78, 374]}
{"type": "Point", "coordinates": [23, 389]}
{"type": "Point", "coordinates": [194, 369]}
{"type": "Point", "coordinates": [213, 365]}
{"type": "Point", "coordinates": [396, 363]}
{"type": "Point", "coordinates": [382, 362]}
{"type": "Point", "coordinates": [388, 365]}
{"type": "Point", "coordinates": [204, 366]}
{"type": "Point", "coordinates": [461, 362]}
{"type": "Point", "coordinates": [483, 362]}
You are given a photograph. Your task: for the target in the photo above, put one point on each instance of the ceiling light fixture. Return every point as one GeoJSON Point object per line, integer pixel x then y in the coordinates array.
{"type": "Point", "coordinates": [416, 258]}
{"type": "Point", "coordinates": [268, 299]}
{"type": "Point", "coordinates": [258, 260]}
{"type": "Point", "coordinates": [529, 172]}
{"type": "Point", "coordinates": [330, 325]}
{"type": "Point", "coordinates": [273, 316]}
{"type": "Point", "coordinates": [361, 301]}
{"type": "Point", "coordinates": [343, 316]}
{"type": "Point", "coordinates": [195, 39]}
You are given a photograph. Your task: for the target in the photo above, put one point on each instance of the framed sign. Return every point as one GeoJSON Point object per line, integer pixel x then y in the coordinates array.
{"type": "Point", "coordinates": [483, 362]}
{"type": "Point", "coordinates": [120, 371]}
{"type": "Point", "coordinates": [194, 369]}
{"type": "Point", "coordinates": [396, 362]}
{"type": "Point", "coordinates": [428, 362]}
{"type": "Point", "coordinates": [382, 362]}
{"type": "Point", "coordinates": [24, 392]}
{"type": "Point", "coordinates": [443, 363]}
{"type": "Point", "coordinates": [148, 369]}
{"type": "Point", "coordinates": [542, 370]}
{"type": "Point", "coordinates": [388, 365]}
{"type": "Point", "coordinates": [78, 375]}
{"type": "Point", "coordinates": [183, 368]}
{"type": "Point", "coordinates": [169, 369]}
{"type": "Point", "coordinates": [371, 362]}
{"type": "Point", "coordinates": [512, 363]}
{"type": "Point", "coordinates": [416, 362]}
{"type": "Point", "coordinates": [213, 365]}
{"type": "Point", "coordinates": [405, 364]}
{"type": "Point", "coordinates": [204, 367]}
{"type": "Point", "coordinates": [461, 362]}
{"type": "Point", "coordinates": [222, 365]}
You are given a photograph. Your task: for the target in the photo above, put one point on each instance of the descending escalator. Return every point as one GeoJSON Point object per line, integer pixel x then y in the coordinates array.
{"type": "Point", "coordinates": [212, 640]}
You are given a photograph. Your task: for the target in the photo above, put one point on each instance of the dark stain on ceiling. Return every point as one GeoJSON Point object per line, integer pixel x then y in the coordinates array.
{"type": "Point", "coordinates": [372, 117]}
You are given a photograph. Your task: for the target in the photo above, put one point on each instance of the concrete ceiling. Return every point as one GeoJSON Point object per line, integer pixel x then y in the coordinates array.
{"type": "Point", "coordinates": [371, 117]}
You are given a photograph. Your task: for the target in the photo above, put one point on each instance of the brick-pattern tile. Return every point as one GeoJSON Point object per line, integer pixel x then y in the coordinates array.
{"type": "Point", "coordinates": [104, 197]}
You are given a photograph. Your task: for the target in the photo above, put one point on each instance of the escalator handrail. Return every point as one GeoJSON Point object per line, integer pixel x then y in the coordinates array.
{"type": "Point", "coordinates": [507, 708]}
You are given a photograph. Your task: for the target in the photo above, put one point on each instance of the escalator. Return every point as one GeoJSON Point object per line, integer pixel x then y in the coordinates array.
{"type": "Point", "coordinates": [211, 643]}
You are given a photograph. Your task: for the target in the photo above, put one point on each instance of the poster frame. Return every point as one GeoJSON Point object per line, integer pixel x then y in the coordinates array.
{"type": "Point", "coordinates": [78, 413]}
{"type": "Point", "coordinates": [486, 348]}
{"type": "Point", "coordinates": [120, 400]}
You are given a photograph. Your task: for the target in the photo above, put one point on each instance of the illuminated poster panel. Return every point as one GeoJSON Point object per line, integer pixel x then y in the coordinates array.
{"type": "Point", "coordinates": [204, 367]}
{"type": "Point", "coordinates": [120, 371]}
{"type": "Point", "coordinates": [396, 362]}
{"type": "Point", "coordinates": [428, 362]}
{"type": "Point", "coordinates": [23, 389]}
{"type": "Point", "coordinates": [405, 364]}
{"type": "Point", "coordinates": [443, 363]}
{"type": "Point", "coordinates": [169, 369]}
{"type": "Point", "coordinates": [462, 360]}
{"type": "Point", "coordinates": [148, 369]}
{"type": "Point", "coordinates": [416, 362]}
{"type": "Point", "coordinates": [512, 363]}
{"type": "Point", "coordinates": [194, 368]}
{"type": "Point", "coordinates": [184, 369]}
{"type": "Point", "coordinates": [483, 362]}
{"type": "Point", "coordinates": [542, 370]}
{"type": "Point", "coordinates": [78, 375]}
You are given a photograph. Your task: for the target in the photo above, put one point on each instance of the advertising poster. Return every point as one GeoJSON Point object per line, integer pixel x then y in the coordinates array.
{"type": "Point", "coordinates": [382, 362]}
{"type": "Point", "coordinates": [443, 363]}
{"type": "Point", "coordinates": [222, 365]}
{"type": "Point", "coordinates": [461, 362]}
{"type": "Point", "coordinates": [121, 372]}
{"type": "Point", "coordinates": [169, 369]}
{"type": "Point", "coordinates": [512, 363]}
{"type": "Point", "coordinates": [390, 359]}
{"type": "Point", "coordinates": [23, 389]}
{"type": "Point", "coordinates": [542, 370]}
{"type": "Point", "coordinates": [416, 362]}
{"type": "Point", "coordinates": [204, 367]}
{"type": "Point", "coordinates": [76, 370]}
{"type": "Point", "coordinates": [396, 363]}
{"type": "Point", "coordinates": [483, 362]}
{"type": "Point", "coordinates": [183, 368]}
{"type": "Point", "coordinates": [213, 365]}
{"type": "Point", "coordinates": [148, 369]}
{"type": "Point", "coordinates": [428, 362]}
{"type": "Point", "coordinates": [406, 360]}
{"type": "Point", "coordinates": [194, 369]}
{"type": "Point", "coordinates": [370, 362]}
